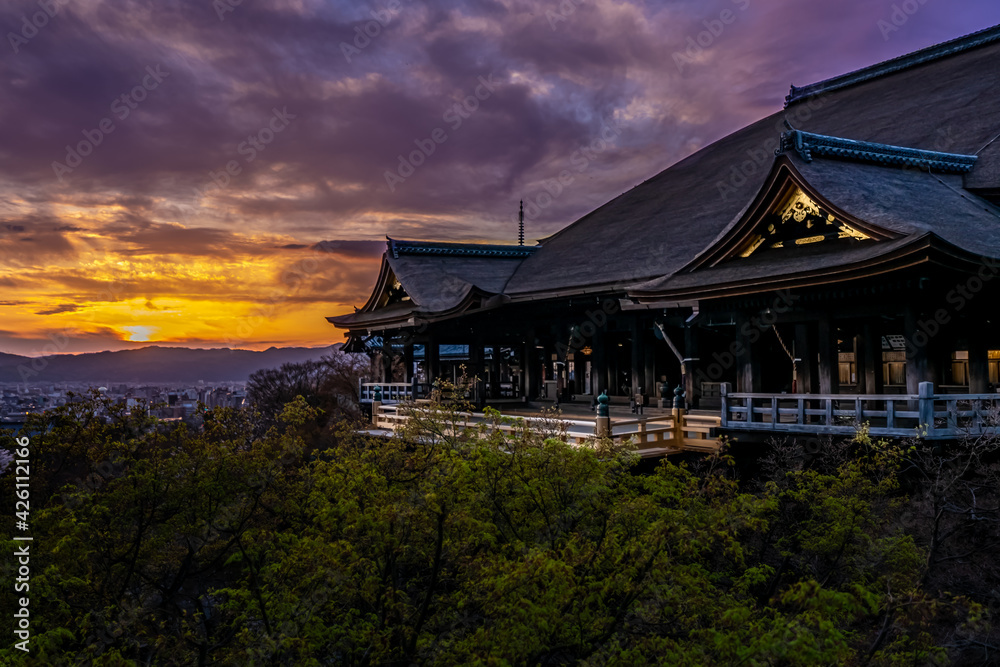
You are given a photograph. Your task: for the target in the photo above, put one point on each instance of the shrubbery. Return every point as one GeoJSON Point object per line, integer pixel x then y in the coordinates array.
{"type": "Point", "coordinates": [160, 545]}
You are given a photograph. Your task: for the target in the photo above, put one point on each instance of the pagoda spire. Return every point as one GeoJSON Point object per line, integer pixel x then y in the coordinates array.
{"type": "Point", "coordinates": [520, 226]}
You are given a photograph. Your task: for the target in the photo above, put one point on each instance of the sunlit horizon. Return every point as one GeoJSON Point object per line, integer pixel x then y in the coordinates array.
{"type": "Point", "coordinates": [184, 177]}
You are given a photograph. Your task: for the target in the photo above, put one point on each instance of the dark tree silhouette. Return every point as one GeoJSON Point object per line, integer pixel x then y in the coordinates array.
{"type": "Point", "coordinates": [330, 384]}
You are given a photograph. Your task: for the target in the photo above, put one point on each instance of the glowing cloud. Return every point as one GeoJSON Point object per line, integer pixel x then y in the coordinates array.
{"type": "Point", "coordinates": [140, 334]}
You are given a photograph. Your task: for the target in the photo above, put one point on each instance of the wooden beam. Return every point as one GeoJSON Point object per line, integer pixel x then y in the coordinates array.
{"type": "Point", "coordinates": [670, 343]}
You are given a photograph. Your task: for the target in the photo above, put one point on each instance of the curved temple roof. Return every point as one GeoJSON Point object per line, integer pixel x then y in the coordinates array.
{"type": "Point", "coordinates": [907, 215]}
{"type": "Point", "coordinates": [906, 146]}
{"type": "Point", "coordinates": [423, 281]}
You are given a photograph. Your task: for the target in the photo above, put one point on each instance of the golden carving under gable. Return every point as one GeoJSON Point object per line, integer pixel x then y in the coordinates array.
{"type": "Point", "coordinates": [846, 231]}
{"type": "Point", "coordinates": [799, 207]}
{"type": "Point", "coordinates": [754, 244]}
{"type": "Point", "coordinates": [393, 292]}
{"type": "Point", "coordinates": [796, 221]}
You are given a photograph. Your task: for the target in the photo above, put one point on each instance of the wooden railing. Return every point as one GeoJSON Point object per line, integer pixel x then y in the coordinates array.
{"type": "Point", "coordinates": [651, 436]}
{"type": "Point", "coordinates": [392, 392]}
{"type": "Point", "coordinates": [401, 392]}
{"type": "Point", "coordinates": [925, 415]}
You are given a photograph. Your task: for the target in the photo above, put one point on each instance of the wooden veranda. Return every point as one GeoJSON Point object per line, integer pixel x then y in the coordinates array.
{"type": "Point", "coordinates": [925, 415]}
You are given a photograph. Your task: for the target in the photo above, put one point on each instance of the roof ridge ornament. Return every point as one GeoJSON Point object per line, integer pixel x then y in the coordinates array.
{"type": "Point", "coordinates": [808, 145]}
{"type": "Point", "coordinates": [906, 61]}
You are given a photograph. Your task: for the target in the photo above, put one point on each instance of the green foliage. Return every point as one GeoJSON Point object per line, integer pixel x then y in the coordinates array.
{"type": "Point", "coordinates": [134, 523]}
{"type": "Point", "coordinates": [451, 544]}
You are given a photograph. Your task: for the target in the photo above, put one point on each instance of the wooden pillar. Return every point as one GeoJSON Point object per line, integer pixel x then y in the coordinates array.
{"type": "Point", "coordinates": [432, 359]}
{"type": "Point", "coordinates": [530, 374]}
{"type": "Point", "coordinates": [494, 388]}
{"type": "Point", "coordinates": [747, 364]}
{"type": "Point", "coordinates": [649, 375]}
{"type": "Point", "coordinates": [599, 370]}
{"type": "Point", "coordinates": [692, 387]}
{"type": "Point", "coordinates": [612, 366]}
{"type": "Point", "coordinates": [638, 368]}
{"type": "Point", "coordinates": [474, 366]}
{"type": "Point", "coordinates": [858, 345]}
{"type": "Point", "coordinates": [979, 364]}
{"type": "Point", "coordinates": [871, 352]}
{"type": "Point", "coordinates": [919, 353]}
{"type": "Point", "coordinates": [408, 362]}
{"type": "Point", "coordinates": [805, 350]}
{"type": "Point", "coordinates": [386, 358]}
{"type": "Point", "coordinates": [829, 359]}
{"type": "Point", "coordinates": [474, 371]}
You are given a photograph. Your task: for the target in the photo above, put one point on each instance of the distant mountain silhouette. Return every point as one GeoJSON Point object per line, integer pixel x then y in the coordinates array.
{"type": "Point", "coordinates": [6, 359]}
{"type": "Point", "coordinates": [152, 364]}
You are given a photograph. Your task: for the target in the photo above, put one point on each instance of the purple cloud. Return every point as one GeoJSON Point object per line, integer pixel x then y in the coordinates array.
{"type": "Point", "coordinates": [587, 99]}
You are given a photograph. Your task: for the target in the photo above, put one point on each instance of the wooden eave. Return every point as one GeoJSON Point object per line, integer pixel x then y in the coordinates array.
{"type": "Point", "coordinates": [416, 317]}
{"type": "Point", "coordinates": [926, 248]}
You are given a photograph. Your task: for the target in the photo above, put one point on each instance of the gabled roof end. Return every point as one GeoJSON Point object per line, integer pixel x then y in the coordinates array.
{"type": "Point", "coordinates": [903, 62]}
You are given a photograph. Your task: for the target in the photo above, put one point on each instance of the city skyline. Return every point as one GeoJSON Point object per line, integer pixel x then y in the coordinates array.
{"type": "Point", "coordinates": [223, 174]}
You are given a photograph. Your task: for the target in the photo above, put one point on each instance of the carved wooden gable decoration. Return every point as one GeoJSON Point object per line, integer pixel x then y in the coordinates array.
{"type": "Point", "coordinates": [392, 292]}
{"type": "Point", "coordinates": [787, 214]}
{"type": "Point", "coordinates": [797, 220]}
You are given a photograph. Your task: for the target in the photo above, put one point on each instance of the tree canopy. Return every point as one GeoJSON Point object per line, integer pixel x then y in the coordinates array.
{"type": "Point", "coordinates": [330, 384]}
{"type": "Point", "coordinates": [445, 545]}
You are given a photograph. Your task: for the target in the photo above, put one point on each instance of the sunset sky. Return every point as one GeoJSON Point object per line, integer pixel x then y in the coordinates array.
{"type": "Point", "coordinates": [120, 225]}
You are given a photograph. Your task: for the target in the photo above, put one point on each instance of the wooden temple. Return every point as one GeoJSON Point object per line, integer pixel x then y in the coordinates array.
{"type": "Point", "coordinates": [848, 244]}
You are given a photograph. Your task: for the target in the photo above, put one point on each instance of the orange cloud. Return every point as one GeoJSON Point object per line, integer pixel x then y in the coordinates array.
{"type": "Point", "coordinates": [206, 287]}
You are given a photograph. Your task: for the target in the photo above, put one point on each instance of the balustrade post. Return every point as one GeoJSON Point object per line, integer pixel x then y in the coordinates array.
{"type": "Point", "coordinates": [926, 406]}
{"type": "Point", "coordinates": [376, 404]}
{"type": "Point", "coordinates": [602, 426]}
{"type": "Point", "coordinates": [678, 415]}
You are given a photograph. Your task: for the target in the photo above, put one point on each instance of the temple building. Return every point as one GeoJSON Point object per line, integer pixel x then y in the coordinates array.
{"type": "Point", "coordinates": [847, 244]}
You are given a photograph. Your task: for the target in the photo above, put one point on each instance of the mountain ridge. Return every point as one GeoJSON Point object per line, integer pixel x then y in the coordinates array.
{"type": "Point", "coordinates": [153, 363]}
